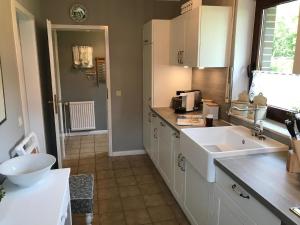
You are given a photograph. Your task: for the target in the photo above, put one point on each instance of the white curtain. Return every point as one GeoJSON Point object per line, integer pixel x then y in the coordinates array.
{"type": "Point", "coordinates": [281, 90]}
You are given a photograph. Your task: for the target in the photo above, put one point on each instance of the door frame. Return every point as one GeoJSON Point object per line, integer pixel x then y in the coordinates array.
{"type": "Point", "coordinates": [29, 76]}
{"type": "Point", "coordinates": [64, 27]}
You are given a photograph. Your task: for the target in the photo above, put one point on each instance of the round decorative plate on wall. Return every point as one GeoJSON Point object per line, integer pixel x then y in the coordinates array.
{"type": "Point", "coordinates": [78, 13]}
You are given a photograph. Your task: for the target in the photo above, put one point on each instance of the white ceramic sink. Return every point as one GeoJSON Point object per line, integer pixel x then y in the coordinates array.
{"type": "Point", "coordinates": [28, 169]}
{"type": "Point", "coordinates": [201, 146]}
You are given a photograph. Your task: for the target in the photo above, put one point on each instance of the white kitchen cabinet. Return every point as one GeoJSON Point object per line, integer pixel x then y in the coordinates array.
{"type": "Point", "coordinates": [179, 169]}
{"type": "Point", "coordinates": [165, 152]}
{"type": "Point", "coordinates": [245, 201]}
{"type": "Point", "coordinates": [198, 196]}
{"type": "Point", "coordinates": [226, 211]}
{"type": "Point", "coordinates": [160, 79]}
{"type": "Point", "coordinates": [177, 40]}
{"type": "Point", "coordinates": [154, 137]}
{"type": "Point", "coordinates": [206, 39]}
{"type": "Point", "coordinates": [147, 116]}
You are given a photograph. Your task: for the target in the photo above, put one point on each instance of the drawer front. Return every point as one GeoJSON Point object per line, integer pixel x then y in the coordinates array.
{"type": "Point", "coordinates": [254, 209]}
{"type": "Point", "coordinates": [64, 207]}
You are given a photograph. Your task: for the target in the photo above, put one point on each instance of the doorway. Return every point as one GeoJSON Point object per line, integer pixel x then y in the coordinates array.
{"type": "Point", "coordinates": [80, 72]}
{"type": "Point", "coordinates": [28, 70]}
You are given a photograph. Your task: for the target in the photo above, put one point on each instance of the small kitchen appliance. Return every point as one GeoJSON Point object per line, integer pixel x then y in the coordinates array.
{"type": "Point", "coordinates": [189, 100]}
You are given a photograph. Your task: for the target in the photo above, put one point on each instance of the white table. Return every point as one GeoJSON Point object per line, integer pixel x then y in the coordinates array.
{"type": "Point", "coordinates": [45, 203]}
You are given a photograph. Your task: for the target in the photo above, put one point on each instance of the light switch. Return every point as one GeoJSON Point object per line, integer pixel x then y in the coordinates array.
{"type": "Point", "coordinates": [118, 93]}
{"type": "Point", "coordinates": [20, 121]}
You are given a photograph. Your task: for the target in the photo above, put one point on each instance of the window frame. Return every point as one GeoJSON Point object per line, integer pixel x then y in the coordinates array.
{"type": "Point", "coordinates": [273, 113]}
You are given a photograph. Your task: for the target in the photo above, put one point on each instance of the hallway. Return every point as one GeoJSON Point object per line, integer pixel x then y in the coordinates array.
{"type": "Point", "coordinates": [128, 189]}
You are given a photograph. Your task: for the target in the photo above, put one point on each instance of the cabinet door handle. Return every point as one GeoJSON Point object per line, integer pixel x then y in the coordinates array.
{"type": "Point", "coordinates": [239, 192]}
{"type": "Point", "coordinates": [153, 115]}
{"type": "Point", "coordinates": [178, 159]}
{"type": "Point", "coordinates": [155, 133]}
{"type": "Point", "coordinates": [182, 52]}
{"type": "Point", "coordinates": [182, 166]}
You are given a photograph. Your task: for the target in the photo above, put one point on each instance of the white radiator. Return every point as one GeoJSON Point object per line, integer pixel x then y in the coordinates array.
{"type": "Point", "coordinates": [82, 116]}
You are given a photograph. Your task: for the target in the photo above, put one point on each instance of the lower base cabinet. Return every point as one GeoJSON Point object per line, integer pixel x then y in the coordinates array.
{"type": "Point", "coordinates": [198, 195]}
{"type": "Point", "coordinates": [203, 203]}
{"type": "Point", "coordinates": [154, 138]}
{"type": "Point", "coordinates": [226, 211]}
{"type": "Point", "coordinates": [179, 169]}
{"type": "Point", "coordinates": [165, 152]}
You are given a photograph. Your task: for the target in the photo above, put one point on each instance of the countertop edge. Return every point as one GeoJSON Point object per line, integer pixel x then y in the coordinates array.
{"type": "Point", "coordinates": [284, 218]}
{"type": "Point", "coordinates": [164, 119]}
{"type": "Point", "coordinates": [177, 127]}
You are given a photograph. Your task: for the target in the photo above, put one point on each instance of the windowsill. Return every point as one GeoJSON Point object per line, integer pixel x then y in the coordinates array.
{"type": "Point", "coordinates": [269, 125]}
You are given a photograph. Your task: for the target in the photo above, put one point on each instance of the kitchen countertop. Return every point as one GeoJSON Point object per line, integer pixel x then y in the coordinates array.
{"type": "Point", "coordinates": [265, 177]}
{"type": "Point", "coordinates": [169, 116]}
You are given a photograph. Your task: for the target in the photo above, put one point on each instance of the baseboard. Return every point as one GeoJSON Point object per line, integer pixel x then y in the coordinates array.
{"type": "Point", "coordinates": [86, 133]}
{"type": "Point", "coordinates": [129, 152]}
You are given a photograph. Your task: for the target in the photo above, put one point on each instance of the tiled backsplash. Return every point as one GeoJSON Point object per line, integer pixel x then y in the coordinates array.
{"type": "Point", "coordinates": [212, 83]}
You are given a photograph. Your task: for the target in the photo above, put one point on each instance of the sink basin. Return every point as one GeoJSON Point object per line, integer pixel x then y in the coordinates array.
{"type": "Point", "coordinates": [201, 146]}
{"type": "Point", "coordinates": [28, 169]}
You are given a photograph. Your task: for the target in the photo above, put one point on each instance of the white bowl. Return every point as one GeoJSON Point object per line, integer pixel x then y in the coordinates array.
{"type": "Point", "coordinates": [28, 169]}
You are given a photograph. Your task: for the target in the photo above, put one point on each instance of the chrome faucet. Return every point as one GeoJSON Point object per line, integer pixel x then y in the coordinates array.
{"type": "Point", "coordinates": [256, 130]}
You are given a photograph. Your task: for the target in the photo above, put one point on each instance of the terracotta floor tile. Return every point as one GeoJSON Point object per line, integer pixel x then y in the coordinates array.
{"type": "Point", "coordinates": [142, 171]}
{"type": "Point", "coordinates": [115, 218]}
{"type": "Point", "coordinates": [110, 205]}
{"type": "Point", "coordinates": [108, 193]}
{"type": "Point", "coordinates": [145, 179]}
{"type": "Point", "coordinates": [120, 165]}
{"type": "Point", "coordinates": [160, 213]}
{"type": "Point", "coordinates": [106, 183]}
{"type": "Point", "coordinates": [129, 191]}
{"type": "Point", "coordinates": [105, 174]}
{"type": "Point", "coordinates": [137, 217]}
{"type": "Point", "coordinates": [148, 189]}
{"type": "Point", "coordinates": [123, 172]}
{"type": "Point", "coordinates": [154, 200]}
{"type": "Point", "coordinates": [169, 222]}
{"type": "Point", "coordinates": [131, 203]}
{"type": "Point", "coordinates": [126, 181]}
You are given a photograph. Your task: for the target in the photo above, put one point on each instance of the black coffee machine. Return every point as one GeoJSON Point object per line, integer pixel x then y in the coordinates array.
{"type": "Point", "coordinates": [178, 103]}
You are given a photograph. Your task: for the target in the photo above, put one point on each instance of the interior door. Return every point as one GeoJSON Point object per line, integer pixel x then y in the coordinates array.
{"type": "Point", "coordinates": [56, 97]}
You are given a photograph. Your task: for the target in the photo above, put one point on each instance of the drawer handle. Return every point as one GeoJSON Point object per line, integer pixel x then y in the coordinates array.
{"type": "Point", "coordinates": [239, 192]}
{"type": "Point", "coordinates": [182, 166]}
{"type": "Point", "coordinates": [162, 124]}
{"type": "Point", "coordinates": [155, 133]}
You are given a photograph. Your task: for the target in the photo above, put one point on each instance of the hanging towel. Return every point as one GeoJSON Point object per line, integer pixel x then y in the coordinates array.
{"type": "Point", "coordinates": [76, 57]}
{"type": "Point", "coordinates": [86, 56]}
{"type": "Point", "coordinates": [83, 56]}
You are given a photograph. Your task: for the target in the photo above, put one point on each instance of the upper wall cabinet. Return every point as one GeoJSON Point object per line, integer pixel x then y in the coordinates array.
{"type": "Point", "coordinates": [202, 37]}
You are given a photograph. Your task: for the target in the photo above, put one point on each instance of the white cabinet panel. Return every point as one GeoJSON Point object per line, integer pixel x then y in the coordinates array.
{"type": "Point", "coordinates": [165, 152]}
{"type": "Point", "coordinates": [203, 35]}
{"type": "Point", "coordinates": [198, 196]}
{"type": "Point", "coordinates": [147, 128]}
{"type": "Point", "coordinates": [177, 40]}
{"type": "Point", "coordinates": [226, 212]}
{"type": "Point", "coordinates": [215, 36]}
{"type": "Point", "coordinates": [246, 202]}
{"type": "Point", "coordinates": [154, 138]}
{"type": "Point", "coordinates": [179, 170]}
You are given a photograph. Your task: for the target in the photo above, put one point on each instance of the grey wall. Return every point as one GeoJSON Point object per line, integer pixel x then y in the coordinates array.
{"type": "Point", "coordinates": [75, 85]}
{"type": "Point", "coordinates": [125, 20]}
{"type": "Point", "coordinates": [10, 131]}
